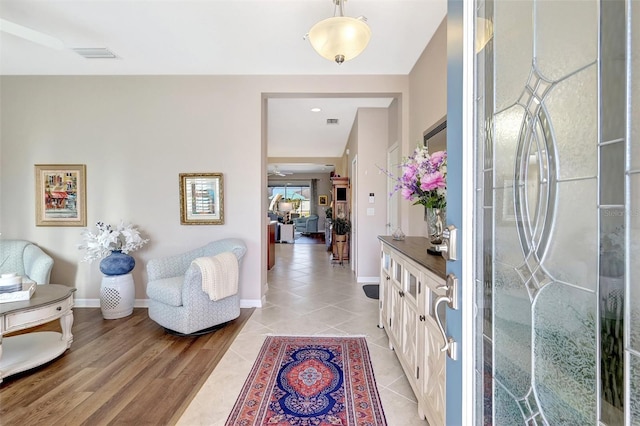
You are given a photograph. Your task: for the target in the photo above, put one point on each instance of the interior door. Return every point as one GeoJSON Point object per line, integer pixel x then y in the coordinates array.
{"type": "Point", "coordinates": [555, 341]}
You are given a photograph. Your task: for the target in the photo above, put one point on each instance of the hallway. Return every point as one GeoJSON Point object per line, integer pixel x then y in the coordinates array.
{"type": "Point", "coordinates": [307, 295]}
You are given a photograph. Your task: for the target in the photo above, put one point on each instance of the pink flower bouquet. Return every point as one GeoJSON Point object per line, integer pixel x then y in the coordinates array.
{"type": "Point", "coordinates": [424, 178]}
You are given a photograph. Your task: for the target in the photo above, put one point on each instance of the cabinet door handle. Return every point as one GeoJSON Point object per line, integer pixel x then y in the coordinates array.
{"type": "Point", "coordinates": [59, 308]}
{"type": "Point", "coordinates": [422, 317]}
{"type": "Point", "coordinates": [440, 300]}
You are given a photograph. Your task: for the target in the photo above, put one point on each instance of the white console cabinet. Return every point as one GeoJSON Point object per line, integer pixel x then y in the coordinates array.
{"type": "Point", "coordinates": [410, 282]}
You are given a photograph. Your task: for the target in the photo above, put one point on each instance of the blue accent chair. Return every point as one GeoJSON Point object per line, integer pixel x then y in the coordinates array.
{"type": "Point", "coordinates": [307, 225]}
{"type": "Point", "coordinates": [176, 299]}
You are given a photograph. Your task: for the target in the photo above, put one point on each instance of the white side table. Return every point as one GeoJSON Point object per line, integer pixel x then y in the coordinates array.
{"type": "Point", "coordinates": [286, 233]}
{"type": "Point", "coordinates": [117, 295]}
{"type": "Point", "coordinates": [25, 351]}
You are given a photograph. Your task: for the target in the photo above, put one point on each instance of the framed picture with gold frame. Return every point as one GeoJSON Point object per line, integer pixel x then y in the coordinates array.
{"type": "Point", "coordinates": [61, 195]}
{"type": "Point", "coordinates": [323, 200]}
{"type": "Point", "coordinates": [201, 199]}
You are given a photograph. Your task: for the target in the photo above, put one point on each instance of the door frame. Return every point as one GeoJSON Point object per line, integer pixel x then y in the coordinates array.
{"type": "Point", "coordinates": [393, 204]}
{"type": "Point", "coordinates": [354, 215]}
{"type": "Point", "coordinates": [460, 386]}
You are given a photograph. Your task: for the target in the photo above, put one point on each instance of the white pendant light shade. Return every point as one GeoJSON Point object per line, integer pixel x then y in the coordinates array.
{"type": "Point", "coordinates": [285, 207]}
{"type": "Point", "coordinates": [340, 38]}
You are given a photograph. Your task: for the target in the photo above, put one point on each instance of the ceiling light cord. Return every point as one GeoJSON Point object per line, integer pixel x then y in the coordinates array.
{"type": "Point", "coordinates": [338, 4]}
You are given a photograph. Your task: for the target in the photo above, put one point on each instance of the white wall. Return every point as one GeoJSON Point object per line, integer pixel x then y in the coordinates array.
{"type": "Point", "coordinates": [136, 134]}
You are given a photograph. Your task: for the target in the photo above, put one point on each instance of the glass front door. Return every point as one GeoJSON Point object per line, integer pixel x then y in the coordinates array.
{"type": "Point", "coordinates": [558, 193]}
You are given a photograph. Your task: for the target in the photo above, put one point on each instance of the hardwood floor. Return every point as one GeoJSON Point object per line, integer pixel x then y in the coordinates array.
{"type": "Point", "coordinates": [124, 371]}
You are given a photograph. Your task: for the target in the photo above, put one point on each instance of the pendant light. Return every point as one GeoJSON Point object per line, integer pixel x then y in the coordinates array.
{"type": "Point", "coordinates": [340, 38]}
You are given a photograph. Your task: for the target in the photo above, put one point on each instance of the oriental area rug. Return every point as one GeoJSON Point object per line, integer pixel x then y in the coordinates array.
{"type": "Point", "coordinates": [310, 381]}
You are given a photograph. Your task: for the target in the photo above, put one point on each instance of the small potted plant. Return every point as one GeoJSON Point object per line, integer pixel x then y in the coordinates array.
{"type": "Point", "coordinates": [341, 226]}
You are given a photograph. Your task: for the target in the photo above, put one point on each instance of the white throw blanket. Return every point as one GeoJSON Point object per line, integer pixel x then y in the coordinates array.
{"type": "Point", "coordinates": [219, 275]}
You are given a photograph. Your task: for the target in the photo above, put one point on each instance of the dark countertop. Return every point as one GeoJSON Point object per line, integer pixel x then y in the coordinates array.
{"type": "Point", "coordinates": [415, 248]}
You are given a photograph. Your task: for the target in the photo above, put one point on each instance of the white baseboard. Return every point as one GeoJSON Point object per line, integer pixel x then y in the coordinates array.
{"type": "Point", "coordinates": [250, 303]}
{"type": "Point", "coordinates": [86, 303]}
{"type": "Point", "coordinates": [144, 303]}
{"type": "Point", "coordinates": [95, 303]}
{"type": "Point", "coordinates": [369, 280]}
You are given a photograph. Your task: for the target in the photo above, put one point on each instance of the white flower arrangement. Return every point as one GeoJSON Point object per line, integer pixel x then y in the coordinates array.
{"type": "Point", "coordinates": [125, 238]}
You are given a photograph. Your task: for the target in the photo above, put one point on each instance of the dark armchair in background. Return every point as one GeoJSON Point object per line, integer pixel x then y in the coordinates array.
{"type": "Point", "coordinates": [274, 216]}
{"type": "Point", "coordinates": [307, 225]}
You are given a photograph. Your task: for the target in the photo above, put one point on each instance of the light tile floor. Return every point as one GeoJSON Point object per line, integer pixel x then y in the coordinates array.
{"type": "Point", "coordinates": [307, 295]}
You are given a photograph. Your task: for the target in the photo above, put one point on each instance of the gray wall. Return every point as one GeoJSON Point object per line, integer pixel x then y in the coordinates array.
{"type": "Point", "coordinates": [428, 104]}
{"type": "Point", "coordinates": [370, 144]}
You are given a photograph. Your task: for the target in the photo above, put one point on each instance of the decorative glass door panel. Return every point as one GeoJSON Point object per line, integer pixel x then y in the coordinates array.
{"type": "Point", "coordinates": [556, 192]}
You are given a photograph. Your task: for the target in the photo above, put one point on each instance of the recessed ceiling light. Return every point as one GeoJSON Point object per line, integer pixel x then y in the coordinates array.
{"type": "Point", "coordinates": [316, 109]}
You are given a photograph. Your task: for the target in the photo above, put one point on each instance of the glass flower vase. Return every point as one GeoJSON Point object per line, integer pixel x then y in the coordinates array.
{"type": "Point", "coordinates": [435, 223]}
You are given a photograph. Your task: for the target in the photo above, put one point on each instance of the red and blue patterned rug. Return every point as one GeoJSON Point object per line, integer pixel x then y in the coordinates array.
{"type": "Point", "coordinates": [310, 381]}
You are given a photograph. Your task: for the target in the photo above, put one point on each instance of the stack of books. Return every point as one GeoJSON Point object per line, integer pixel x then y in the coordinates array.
{"type": "Point", "coordinates": [15, 288]}
{"type": "Point", "coordinates": [10, 282]}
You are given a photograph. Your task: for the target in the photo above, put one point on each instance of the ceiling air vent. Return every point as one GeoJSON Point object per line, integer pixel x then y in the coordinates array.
{"type": "Point", "coordinates": [332, 121]}
{"type": "Point", "coordinates": [94, 52]}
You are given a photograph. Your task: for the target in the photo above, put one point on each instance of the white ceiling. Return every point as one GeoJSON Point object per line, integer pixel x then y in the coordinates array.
{"type": "Point", "coordinates": [313, 136]}
{"type": "Point", "coordinates": [218, 37]}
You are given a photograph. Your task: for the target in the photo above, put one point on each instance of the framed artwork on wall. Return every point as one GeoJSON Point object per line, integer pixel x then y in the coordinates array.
{"type": "Point", "coordinates": [201, 199]}
{"type": "Point", "coordinates": [61, 195]}
{"type": "Point", "coordinates": [323, 200]}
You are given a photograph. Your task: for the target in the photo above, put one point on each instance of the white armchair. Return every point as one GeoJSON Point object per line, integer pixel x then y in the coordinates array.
{"type": "Point", "coordinates": [176, 299]}
{"type": "Point", "coordinates": [26, 259]}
